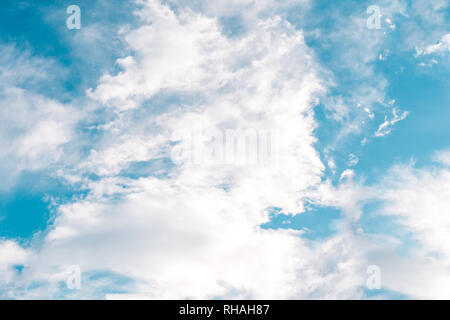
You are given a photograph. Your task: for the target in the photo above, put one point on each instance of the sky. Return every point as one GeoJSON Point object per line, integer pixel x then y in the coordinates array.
{"type": "Point", "coordinates": [168, 149]}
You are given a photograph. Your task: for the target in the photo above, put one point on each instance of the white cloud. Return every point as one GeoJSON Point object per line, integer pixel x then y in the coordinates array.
{"type": "Point", "coordinates": [33, 127]}
{"type": "Point", "coordinates": [386, 127]}
{"type": "Point", "coordinates": [182, 52]}
{"type": "Point", "coordinates": [352, 160]}
{"type": "Point", "coordinates": [420, 197]}
{"type": "Point", "coordinates": [11, 255]}
{"type": "Point", "coordinates": [442, 46]}
{"type": "Point", "coordinates": [419, 200]}
{"type": "Point", "coordinates": [443, 157]}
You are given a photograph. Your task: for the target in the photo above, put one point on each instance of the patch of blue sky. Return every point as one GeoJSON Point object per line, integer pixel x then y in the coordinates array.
{"type": "Point", "coordinates": [159, 168]}
{"type": "Point", "coordinates": [18, 268]}
{"type": "Point", "coordinates": [233, 26]}
{"type": "Point", "coordinates": [427, 98]}
{"type": "Point", "coordinates": [26, 209]}
{"type": "Point", "coordinates": [422, 91]}
{"type": "Point", "coordinates": [165, 101]}
{"type": "Point", "coordinates": [425, 93]}
{"type": "Point", "coordinates": [317, 223]}
{"type": "Point", "coordinates": [22, 214]}
{"type": "Point", "coordinates": [22, 26]}
{"type": "Point", "coordinates": [22, 23]}
{"type": "Point", "coordinates": [387, 229]}
{"type": "Point", "coordinates": [85, 55]}
{"type": "Point", "coordinates": [383, 294]}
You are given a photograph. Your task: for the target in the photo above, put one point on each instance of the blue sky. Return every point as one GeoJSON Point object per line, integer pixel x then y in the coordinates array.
{"type": "Point", "coordinates": [92, 119]}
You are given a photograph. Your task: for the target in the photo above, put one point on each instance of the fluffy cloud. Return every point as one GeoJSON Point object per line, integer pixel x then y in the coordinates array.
{"type": "Point", "coordinates": [11, 254]}
{"type": "Point", "coordinates": [420, 198]}
{"type": "Point", "coordinates": [191, 242]}
{"type": "Point", "coordinates": [172, 52]}
{"type": "Point", "coordinates": [416, 203]}
{"type": "Point", "coordinates": [419, 201]}
{"type": "Point", "coordinates": [34, 128]}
